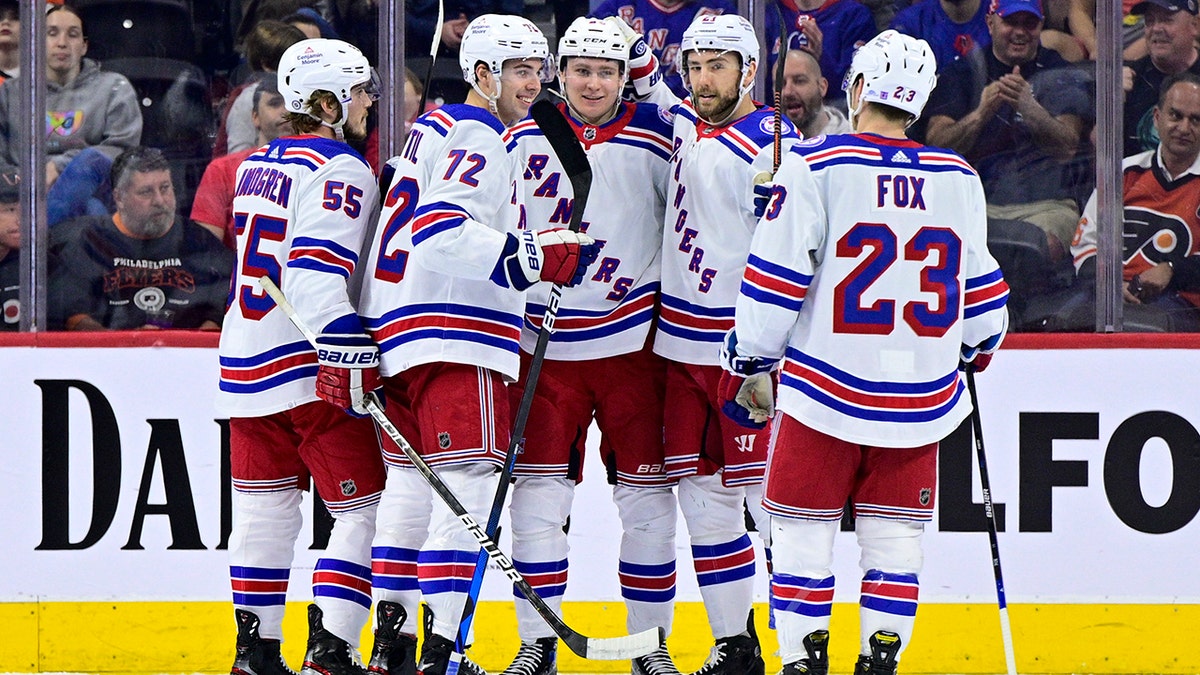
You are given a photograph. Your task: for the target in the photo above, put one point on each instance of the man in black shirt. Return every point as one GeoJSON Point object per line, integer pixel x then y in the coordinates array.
{"type": "Point", "coordinates": [142, 267]}
{"type": "Point", "coordinates": [1171, 32]}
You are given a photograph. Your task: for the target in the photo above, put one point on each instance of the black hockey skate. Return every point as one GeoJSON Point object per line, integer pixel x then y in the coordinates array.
{"type": "Point", "coordinates": [657, 662]}
{"type": "Point", "coordinates": [816, 644]}
{"type": "Point", "coordinates": [394, 653]}
{"type": "Point", "coordinates": [327, 653]}
{"type": "Point", "coordinates": [256, 656]}
{"type": "Point", "coordinates": [539, 657]}
{"type": "Point", "coordinates": [435, 653]}
{"type": "Point", "coordinates": [736, 655]}
{"type": "Point", "coordinates": [885, 646]}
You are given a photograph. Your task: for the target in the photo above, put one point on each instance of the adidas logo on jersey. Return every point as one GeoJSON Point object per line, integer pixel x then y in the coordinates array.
{"type": "Point", "coordinates": [901, 158]}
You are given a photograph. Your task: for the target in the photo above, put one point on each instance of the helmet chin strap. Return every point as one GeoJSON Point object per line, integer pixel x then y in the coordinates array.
{"type": "Point", "coordinates": [341, 122]}
{"type": "Point", "coordinates": [491, 99]}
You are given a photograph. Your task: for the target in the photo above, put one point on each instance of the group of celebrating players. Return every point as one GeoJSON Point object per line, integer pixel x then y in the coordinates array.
{"type": "Point", "coordinates": [723, 269]}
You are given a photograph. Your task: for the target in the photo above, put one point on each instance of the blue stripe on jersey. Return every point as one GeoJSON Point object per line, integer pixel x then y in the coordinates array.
{"type": "Point", "coordinates": [453, 217]}
{"type": "Point", "coordinates": [654, 148]}
{"type": "Point", "coordinates": [329, 244]}
{"type": "Point", "coordinates": [735, 148]}
{"type": "Point", "coordinates": [265, 357]}
{"type": "Point", "coordinates": [842, 377]}
{"type": "Point", "coordinates": [271, 382]}
{"type": "Point", "coordinates": [699, 310]}
{"type": "Point", "coordinates": [768, 298]}
{"type": "Point", "coordinates": [870, 414]}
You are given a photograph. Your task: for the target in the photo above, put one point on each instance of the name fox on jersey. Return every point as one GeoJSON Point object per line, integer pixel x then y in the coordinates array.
{"type": "Point", "coordinates": [900, 192]}
{"type": "Point", "coordinates": [266, 182]}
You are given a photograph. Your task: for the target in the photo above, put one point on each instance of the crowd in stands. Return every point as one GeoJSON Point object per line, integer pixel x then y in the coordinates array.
{"type": "Point", "coordinates": [1015, 97]}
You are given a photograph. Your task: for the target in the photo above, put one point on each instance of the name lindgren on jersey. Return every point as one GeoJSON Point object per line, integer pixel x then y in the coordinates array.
{"type": "Point", "coordinates": [301, 208]}
{"type": "Point", "coordinates": [452, 202]}
{"type": "Point", "coordinates": [611, 311]}
{"type": "Point", "coordinates": [868, 273]}
{"type": "Point", "coordinates": [708, 226]}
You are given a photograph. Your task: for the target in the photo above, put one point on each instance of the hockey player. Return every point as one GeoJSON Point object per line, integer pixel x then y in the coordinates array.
{"type": "Point", "coordinates": [301, 208]}
{"type": "Point", "coordinates": [722, 141]}
{"type": "Point", "coordinates": [598, 362]}
{"type": "Point", "coordinates": [871, 302]}
{"type": "Point", "coordinates": [443, 297]}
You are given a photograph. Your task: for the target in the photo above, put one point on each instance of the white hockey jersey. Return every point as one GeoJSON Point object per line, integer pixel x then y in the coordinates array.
{"type": "Point", "coordinates": [708, 226]}
{"type": "Point", "coordinates": [867, 274]}
{"type": "Point", "coordinates": [427, 296]}
{"type": "Point", "coordinates": [301, 207]}
{"type": "Point", "coordinates": [611, 311]}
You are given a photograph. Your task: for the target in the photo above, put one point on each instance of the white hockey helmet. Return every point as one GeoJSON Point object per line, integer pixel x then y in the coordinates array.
{"type": "Point", "coordinates": [320, 64]}
{"type": "Point", "coordinates": [593, 38]}
{"type": "Point", "coordinates": [897, 70]}
{"type": "Point", "coordinates": [723, 33]}
{"type": "Point", "coordinates": [496, 38]}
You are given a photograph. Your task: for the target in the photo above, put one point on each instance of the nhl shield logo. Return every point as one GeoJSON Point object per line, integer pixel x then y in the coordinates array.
{"type": "Point", "coordinates": [589, 133]}
{"type": "Point", "coordinates": [926, 495]}
{"type": "Point", "coordinates": [444, 440]}
{"type": "Point", "coordinates": [348, 487]}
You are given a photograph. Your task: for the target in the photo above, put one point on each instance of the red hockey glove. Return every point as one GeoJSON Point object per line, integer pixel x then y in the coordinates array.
{"type": "Point", "coordinates": [559, 256]}
{"type": "Point", "coordinates": [348, 370]}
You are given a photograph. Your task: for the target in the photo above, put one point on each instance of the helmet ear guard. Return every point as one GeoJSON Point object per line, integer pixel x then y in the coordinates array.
{"type": "Point", "coordinates": [897, 70]}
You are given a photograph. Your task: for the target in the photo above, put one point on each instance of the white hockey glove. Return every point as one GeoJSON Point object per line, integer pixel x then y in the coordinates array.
{"type": "Point", "coordinates": [747, 387]}
{"type": "Point", "coordinates": [559, 256]}
{"type": "Point", "coordinates": [644, 71]}
{"type": "Point", "coordinates": [348, 366]}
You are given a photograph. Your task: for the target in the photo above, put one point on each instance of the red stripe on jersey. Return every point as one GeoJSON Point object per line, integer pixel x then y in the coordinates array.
{"type": "Point", "coordinates": [983, 294]}
{"type": "Point", "coordinates": [850, 151]}
{"type": "Point", "coordinates": [434, 217]}
{"type": "Point", "coordinates": [324, 255]}
{"type": "Point", "coordinates": [269, 369]}
{"type": "Point", "coordinates": [691, 321]}
{"type": "Point", "coordinates": [446, 321]}
{"type": "Point", "coordinates": [576, 323]}
{"type": "Point", "coordinates": [865, 400]}
{"type": "Point", "coordinates": [305, 153]}
{"type": "Point", "coordinates": [775, 284]}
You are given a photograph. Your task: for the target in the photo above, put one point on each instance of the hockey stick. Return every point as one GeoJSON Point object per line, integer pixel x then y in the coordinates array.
{"type": "Point", "coordinates": [606, 649]}
{"type": "Point", "coordinates": [988, 509]}
{"type": "Point", "coordinates": [777, 157]}
{"type": "Point", "coordinates": [433, 49]}
{"type": "Point", "coordinates": [566, 147]}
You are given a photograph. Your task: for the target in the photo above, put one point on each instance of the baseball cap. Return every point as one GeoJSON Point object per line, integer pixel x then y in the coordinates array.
{"type": "Point", "coordinates": [1003, 8]}
{"type": "Point", "coordinates": [10, 186]}
{"type": "Point", "coordinates": [1188, 6]}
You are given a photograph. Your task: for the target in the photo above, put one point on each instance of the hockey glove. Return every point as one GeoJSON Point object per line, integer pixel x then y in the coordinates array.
{"type": "Point", "coordinates": [762, 196]}
{"type": "Point", "coordinates": [973, 358]}
{"type": "Point", "coordinates": [559, 256]}
{"type": "Point", "coordinates": [749, 401]}
{"type": "Point", "coordinates": [348, 367]}
{"type": "Point", "coordinates": [644, 71]}
{"type": "Point", "coordinates": [736, 364]}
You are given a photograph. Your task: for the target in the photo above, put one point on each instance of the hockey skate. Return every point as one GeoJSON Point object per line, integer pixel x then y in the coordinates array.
{"type": "Point", "coordinates": [539, 657]}
{"type": "Point", "coordinates": [736, 655]}
{"type": "Point", "coordinates": [256, 656]}
{"type": "Point", "coordinates": [327, 653]}
{"type": "Point", "coordinates": [885, 646]}
{"type": "Point", "coordinates": [394, 653]}
{"type": "Point", "coordinates": [657, 662]}
{"type": "Point", "coordinates": [816, 644]}
{"type": "Point", "coordinates": [435, 653]}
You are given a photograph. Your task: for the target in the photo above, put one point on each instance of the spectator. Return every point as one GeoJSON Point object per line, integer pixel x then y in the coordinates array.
{"type": "Point", "coordinates": [830, 29]}
{"type": "Point", "coordinates": [213, 206]}
{"type": "Point", "coordinates": [953, 28]}
{"type": "Point", "coordinates": [10, 39]}
{"type": "Point", "coordinates": [1161, 223]}
{"type": "Point", "coordinates": [1018, 115]}
{"type": "Point", "coordinates": [264, 45]}
{"type": "Point", "coordinates": [312, 24]}
{"type": "Point", "coordinates": [803, 97]}
{"type": "Point", "coordinates": [91, 116]}
{"type": "Point", "coordinates": [1081, 16]}
{"type": "Point", "coordinates": [1171, 33]}
{"type": "Point", "coordinates": [10, 243]}
{"type": "Point", "coordinates": [662, 22]}
{"type": "Point", "coordinates": [142, 267]}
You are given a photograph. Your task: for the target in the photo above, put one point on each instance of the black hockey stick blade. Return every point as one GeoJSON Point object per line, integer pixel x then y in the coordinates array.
{"type": "Point", "coordinates": [562, 139]}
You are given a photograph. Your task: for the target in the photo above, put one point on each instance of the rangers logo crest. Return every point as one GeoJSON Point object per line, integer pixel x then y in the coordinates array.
{"type": "Point", "coordinates": [925, 496]}
{"type": "Point", "coordinates": [589, 133]}
{"type": "Point", "coordinates": [348, 487]}
{"type": "Point", "coordinates": [444, 440]}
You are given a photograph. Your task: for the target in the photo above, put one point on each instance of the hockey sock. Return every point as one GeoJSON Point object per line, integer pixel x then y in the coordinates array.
{"type": "Point", "coordinates": [539, 509]}
{"type": "Point", "coordinates": [888, 602]}
{"type": "Point", "coordinates": [647, 561]}
{"type": "Point", "coordinates": [261, 546]}
{"type": "Point", "coordinates": [401, 530]}
{"type": "Point", "coordinates": [721, 551]}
